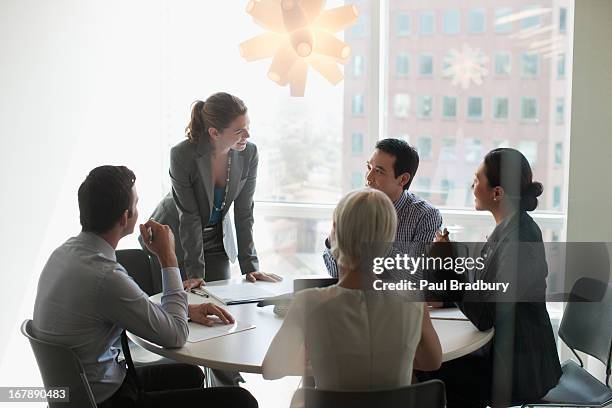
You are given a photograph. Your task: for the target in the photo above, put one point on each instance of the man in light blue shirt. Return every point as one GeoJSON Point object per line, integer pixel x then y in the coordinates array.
{"type": "Point", "coordinates": [85, 300]}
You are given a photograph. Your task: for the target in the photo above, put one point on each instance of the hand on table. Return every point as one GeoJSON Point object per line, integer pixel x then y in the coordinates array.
{"type": "Point", "coordinates": [263, 276]}
{"type": "Point", "coordinates": [442, 236]}
{"type": "Point", "coordinates": [193, 284]}
{"type": "Point", "coordinates": [199, 314]}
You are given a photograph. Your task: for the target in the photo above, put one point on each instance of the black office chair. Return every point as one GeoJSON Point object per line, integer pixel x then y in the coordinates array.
{"type": "Point", "coordinates": [428, 394]}
{"type": "Point", "coordinates": [60, 367]}
{"type": "Point", "coordinates": [586, 327]}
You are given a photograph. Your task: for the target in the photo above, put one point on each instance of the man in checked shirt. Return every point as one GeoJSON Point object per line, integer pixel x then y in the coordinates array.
{"type": "Point", "coordinates": [391, 169]}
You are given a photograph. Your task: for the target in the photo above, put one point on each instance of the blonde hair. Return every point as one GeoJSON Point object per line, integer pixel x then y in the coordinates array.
{"type": "Point", "coordinates": [363, 219]}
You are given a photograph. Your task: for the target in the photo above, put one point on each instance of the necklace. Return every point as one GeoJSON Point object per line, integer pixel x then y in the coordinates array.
{"type": "Point", "coordinates": [229, 165]}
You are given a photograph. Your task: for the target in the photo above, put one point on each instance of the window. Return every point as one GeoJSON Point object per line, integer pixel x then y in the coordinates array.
{"type": "Point", "coordinates": [425, 106]}
{"type": "Point", "coordinates": [403, 25]}
{"type": "Point", "coordinates": [473, 151]}
{"type": "Point", "coordinates": [424, 147]}
{"type": "Point", "coordinates": [531, 62]}
{"type": "Point", "coordinates": [423, 186]}
{"type": "Point", "coordinates": [476, 21]}
{"type": "Point", "coordinates": [529, 148]}
{"type": "Point", "coordinates": [359, 30]}
{"type": "Point", "coordinates": [501, 17]}
{"type": "Point", "coordinates": [558, 153]}
{"type": "Point", "coordinates": [357, 143]}
{"type": "Point", "coordinates": [561, 65]}
{"type": "Point", "coordinates": [529, 108]}
{"type": "Point", "coordinates": [500, 108]}
{"type": "Point", "coordinates": [357, 180]}
{"type": "Point", "coordinates": [559, 110]}
{"type": "Point", "coordinates": [358, 66]}
{"type": "Point", "coordinates": [500, 143]}
{"type": "Point", "coordinates": [402, 65]}
{"type": "Point", "coordinates": [451, 22]}
{"type": "Point", "coordinates": [446, 186]}
{"type": "Point", "coordinates": [449, 107]}
{"type": "Point", "coordinates": [426, 64]}
{"type": "Point", "coordinates": [556, 198]}
{"type": "Point", "coordinates": [448, 150]}
{"type": "Point", "coordinates": [562, 20]}
{"type": "Point", "coordinates": [474, 107]}
{"type": "Point", "coordinates": [401, 105]}
{"type": "Point", "coordinates": [357, 105]}
{"type": "Point", "coordinates": [532, 18]}
{"type": "Point", "coordinates": [502, 63]}
{"type": "Point", "coordinates": [426, 23]}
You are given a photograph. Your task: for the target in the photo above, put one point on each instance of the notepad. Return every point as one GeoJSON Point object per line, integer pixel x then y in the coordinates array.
{"type": "Point", "coordinates": [199, 332]}
{"type": "Point", "coordinates": [238, 293]}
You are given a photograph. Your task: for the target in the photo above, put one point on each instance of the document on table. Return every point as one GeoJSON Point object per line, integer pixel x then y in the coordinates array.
{"type": "Point", "coordinates": [199, 332]}
{"type": "Point", "coordinates": [238, 293]}
{"type": "Point", "coordinates": [451, 313]}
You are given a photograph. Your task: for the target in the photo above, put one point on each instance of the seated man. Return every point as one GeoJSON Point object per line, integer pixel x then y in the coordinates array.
{"type": "Point", "coordinates": [391, 169]}
{"type": "Point", "coordinates": [86, 300]}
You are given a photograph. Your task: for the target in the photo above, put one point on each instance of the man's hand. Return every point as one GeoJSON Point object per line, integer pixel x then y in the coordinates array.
{"type": "Point", "coordinates": [262, 276]}
{"type": "Point", "coordinates": [193, 283]}
{"type": "Point", "coordinates": [159, 240]}
{"type": "Point", "coordinates": [199, 314]}
{"type": "Point", "coordinates": [442, 236]}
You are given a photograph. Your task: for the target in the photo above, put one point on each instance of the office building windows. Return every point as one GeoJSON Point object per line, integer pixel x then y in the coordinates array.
{"type": "Point", "coordinates": [426, 64]}
{"type": "Point", "coordinates": [403, 25]}
{"type": "Point", "coordinates": [357, 105]}
{"type": "Point", "coordinates": [473, 150]}
{"type": "Point", "coordinates": [532, 18]}
{"type": "Point", "coordinates": [426, 23]}
{"type": "Point", "coordinates": [449, 107]}
{"type": "Point", "coordinates": [424, 147]}
{"type": "Point", "coordinates": [446, 186]}
{"type": "Point", "coordinates": [357, 143]}
{"type": "Point", "coordinates": [529, 108]}
{"type": "Point", "coordinates": [529, 148]}
{"type": "Point", "coordinates": [357, 180]}
{"type": "Point", "coordinates": [402, 65]}
{"type": "Point", "coordinates": [423, 186]}
{"type": "Point", "coordinates": [358, 65]}
{"type": "Point", "coordinates": [558, 153]}
{"type": "Point", "coordinates": [501, 61]}
{"type": "Point", "coordinates": [561, 65]}
{"type": "Point", "coordinates": [530, 64]}
{"type": "Point", "coordinates": [500, 108]}
{"type": "Point", "coordinates": [556, 198]}
{"type": "Point", "coordinates": [359, 29]}
{"type": "Point", "coordinates": [425, 106]}
{"type": "Point", "coordinates": [474, 107]}
{"type": "Point", "coordinates": [476, 21]}
{"type": "Point", "coordinates": [401, 105]}
{"type": "Point", "coordinates": [451, 22]}
{"type": "Point", "coordinates": [501, 17]}
{"type": "Point", "coordinates": [562, 20]}
{"type": "Point", "coordinates": [559, 110]}
{"type": "Point", "coordinates": [448, 149]}
{"type": "Point", "coordinates": [500, 143]}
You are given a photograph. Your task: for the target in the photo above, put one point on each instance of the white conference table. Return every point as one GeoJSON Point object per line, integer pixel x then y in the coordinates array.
{"type": "Point", "coordinates": [244, 351]}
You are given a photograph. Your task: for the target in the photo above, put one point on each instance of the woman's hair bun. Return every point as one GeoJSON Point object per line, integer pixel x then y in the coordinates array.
{"type": "Point", "coordinates": [529, 197]}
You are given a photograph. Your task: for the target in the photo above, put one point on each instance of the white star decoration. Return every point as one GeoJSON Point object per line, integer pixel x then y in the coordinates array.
{"type": "Point", "coordinates": [465, 66]}
{"type": "Point", "coordinates": [300, 34]}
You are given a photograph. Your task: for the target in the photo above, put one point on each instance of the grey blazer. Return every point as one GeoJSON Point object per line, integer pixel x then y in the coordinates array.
{"type": "Point", "coordinates": [193, 194]}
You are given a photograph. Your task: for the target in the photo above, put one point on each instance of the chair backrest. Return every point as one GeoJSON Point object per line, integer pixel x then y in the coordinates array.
{"type": "Point", "coordinates": [428, 394]}
{"type": "Point", "coordinates": [60, 367]}
{"type": "Point", "coordinates": [587, 320]}
{"type": "Point", "coordinates": [139, 266]}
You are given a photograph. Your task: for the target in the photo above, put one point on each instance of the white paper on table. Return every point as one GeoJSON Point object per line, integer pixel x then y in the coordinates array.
{"type": "Point", "coordinates": [237, 292]}
{"type": "Point", "coordinates": [199, 332]}
{"type": "Point", "coordinates": [451, 313]}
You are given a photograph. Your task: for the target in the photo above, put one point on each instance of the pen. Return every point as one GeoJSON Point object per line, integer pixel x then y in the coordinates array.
{"type": "Point", "coordinates": [199, 292]}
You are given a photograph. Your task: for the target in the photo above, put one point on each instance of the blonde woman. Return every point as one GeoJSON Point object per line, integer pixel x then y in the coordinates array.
{"type": "Point", "coordinates": [355, 337]}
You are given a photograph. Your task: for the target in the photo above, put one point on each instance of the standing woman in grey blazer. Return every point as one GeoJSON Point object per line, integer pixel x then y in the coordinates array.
{"type": "Point", "coordinates": [212, 169]}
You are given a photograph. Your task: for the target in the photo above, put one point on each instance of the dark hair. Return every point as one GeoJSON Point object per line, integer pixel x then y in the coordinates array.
{"type": "Point", "coordinates": [218, 111]}
{"type": "Point", "coordinates": [406, 157]}
{"type": "Point", "coordinates": [103, 197]}
{"type": "Point", "coordinates": [509, 169]}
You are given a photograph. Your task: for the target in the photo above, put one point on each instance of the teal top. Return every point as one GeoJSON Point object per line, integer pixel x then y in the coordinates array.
{"type": "Point", "coordinates": [215, 215]}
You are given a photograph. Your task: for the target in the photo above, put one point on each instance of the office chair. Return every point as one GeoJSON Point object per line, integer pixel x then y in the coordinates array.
{"type": "Point", "coordinates": [60, 367]}
{"type": "Point", "coordinates": [428, 394]}
{"type": "Point", "coordinates": [587, 327]}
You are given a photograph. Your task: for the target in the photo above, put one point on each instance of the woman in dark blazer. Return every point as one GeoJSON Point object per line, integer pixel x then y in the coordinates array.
{"type": "Point", "coordinates": [521, 363]}
{"type": "Point", "coordinates": [215, 167]}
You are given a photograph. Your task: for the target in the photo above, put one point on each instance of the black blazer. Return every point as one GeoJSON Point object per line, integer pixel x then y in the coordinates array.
{"type": "Point", "coordinates": [523, 354]}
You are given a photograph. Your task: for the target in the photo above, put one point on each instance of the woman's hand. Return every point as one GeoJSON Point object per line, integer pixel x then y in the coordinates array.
{"type": "Point", "coordinates": [263, 276]}
{"type": "Point", "coordinates": [442, 236]}
{"type": "Point", "coordinates": [199, 314]}
{"type": "Point", "coordinates": [193, 284]}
